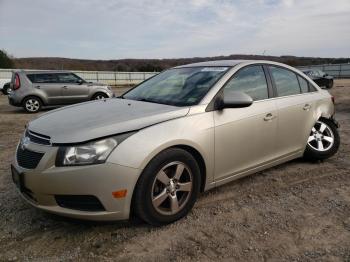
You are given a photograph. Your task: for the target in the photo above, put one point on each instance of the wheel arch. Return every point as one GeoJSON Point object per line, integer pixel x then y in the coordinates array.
{"type": "Point", "coordinates": [96, 92]}
{"type": "Point", "coordinates": [326, 111]}
{"type": "Point", "coordinates": [331, 118]}
{"type": "Point", "coordinates": [190, 149]}
{"type": "Point", "coordinates": [200, 161]}
{"type": "Point", "coordinates": [42, 100]}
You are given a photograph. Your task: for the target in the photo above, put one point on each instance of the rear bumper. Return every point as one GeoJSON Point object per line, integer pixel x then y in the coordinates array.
{"type": "Point", "coordinates": [13, 102]}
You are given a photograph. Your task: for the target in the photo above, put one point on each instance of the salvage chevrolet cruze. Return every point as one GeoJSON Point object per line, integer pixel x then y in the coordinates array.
{"type": "Point", "coordinates": [188, 129]}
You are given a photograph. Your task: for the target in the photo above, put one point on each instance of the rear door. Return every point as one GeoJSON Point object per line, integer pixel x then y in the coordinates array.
{"type": "Point", "coordinates": [295, 110]}
{"type": "Point", "coordinates": [48, 84]}
{"type": "Point", "coordinates": [245, 137]}
{"type": "Point", "coordinates": [74, 89]}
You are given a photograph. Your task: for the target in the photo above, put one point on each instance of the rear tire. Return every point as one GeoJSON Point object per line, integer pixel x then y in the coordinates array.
{"type": "Point", "coordinates": [323, 141]}
{"type": "Point", "coordinates": [32, 104]}
{"type": "Point", "coordinates": [168, 187]}
{"type": "Point", "coordinates": [99, 96]}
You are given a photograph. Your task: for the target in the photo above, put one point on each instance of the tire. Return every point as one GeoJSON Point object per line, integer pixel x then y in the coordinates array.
{"type": "Point", "coordinates": [322, 144]}
{"type": "Point", "coordinates": [99, 96]}
{"type": "Point", "coordinates": [157, 191]}
{"type": "Point", "coordinates": [5, 89]}
{"type": "Point", "coordinates": [330, 84]}
{"type": "Point", "coordinates": [32, 104]}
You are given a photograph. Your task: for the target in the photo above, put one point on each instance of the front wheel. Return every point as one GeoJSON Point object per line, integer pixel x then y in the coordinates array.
{"type": "Point", "coordinates": [99, 96]}
{"type": "Point", "coordinates": [323, 141]}
{"type": "Point", "coordinates": [167, 188]}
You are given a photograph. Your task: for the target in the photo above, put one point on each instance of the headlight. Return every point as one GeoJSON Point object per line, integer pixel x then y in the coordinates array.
{"type": "Point", "coordinates": [95, 152]}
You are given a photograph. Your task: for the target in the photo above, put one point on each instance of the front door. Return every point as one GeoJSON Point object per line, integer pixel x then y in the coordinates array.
{"type": "Point", "coordinates": [74, 90]}
{"type": "Point", "coordinates": [245, 137]}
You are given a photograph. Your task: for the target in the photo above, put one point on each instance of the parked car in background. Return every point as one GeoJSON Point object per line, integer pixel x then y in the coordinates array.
{"type": "Point", "coordinates": [319, 77]}
{"type": "Point", "coordinates": [4, 85]}
{"type": "Point", "coordinates": [186, 130]}
{"type": "Point", "coordinates": [34, 89]}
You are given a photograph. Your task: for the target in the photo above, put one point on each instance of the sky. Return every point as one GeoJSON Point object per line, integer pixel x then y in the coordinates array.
{"type": "Point", "coordinates": [115, 29]}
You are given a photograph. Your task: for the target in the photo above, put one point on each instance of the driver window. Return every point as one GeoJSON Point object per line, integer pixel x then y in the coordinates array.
{"type": "Point", "coordinates": [250, 80]}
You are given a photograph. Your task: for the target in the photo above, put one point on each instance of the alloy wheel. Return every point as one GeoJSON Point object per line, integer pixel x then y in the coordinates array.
{"type": "Point", "coordinates": [321, 137]}
{"type": "Point", "coordinates": [32, 105]}
{"type": "Point", "coordinates": [99, 97]}
{"type": "Point", "coordinates": [172, 188]}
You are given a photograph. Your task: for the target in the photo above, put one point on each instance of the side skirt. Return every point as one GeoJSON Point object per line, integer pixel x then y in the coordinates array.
{"type": "Point", "coordinates": [254, 170]}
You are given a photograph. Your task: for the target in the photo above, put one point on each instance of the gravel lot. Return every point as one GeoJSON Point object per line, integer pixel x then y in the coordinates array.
{"type": "Point", "coordinates": [298, 211]}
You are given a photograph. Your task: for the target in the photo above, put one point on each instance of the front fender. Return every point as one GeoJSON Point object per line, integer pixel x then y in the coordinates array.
{"type": "Point", "coordinates": [196, 131]}
{"type": "Point", "coordinates": [108, 92]}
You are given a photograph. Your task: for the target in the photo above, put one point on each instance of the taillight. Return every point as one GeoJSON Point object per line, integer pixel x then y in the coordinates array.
{"type": "Point", "coordinates": [17, 82]}
{"type": "Point", "coordinates": [333, 100]}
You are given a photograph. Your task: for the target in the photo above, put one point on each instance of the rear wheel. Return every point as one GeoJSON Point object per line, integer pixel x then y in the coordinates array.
{"type": "Point", "coordinates": [99, 96]}
{"type": "Point", "coordinates": [167, 188]}
{"type": "Point", "coordinates": [323, 141]}
{"type": "Point", "coordinates": [32, 104]}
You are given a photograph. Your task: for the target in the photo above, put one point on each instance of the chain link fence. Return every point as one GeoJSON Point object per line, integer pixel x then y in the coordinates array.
{"type": "Point", "coordinates": [106, 77]}
{"type": "Point", "coordinates": [335, 70]}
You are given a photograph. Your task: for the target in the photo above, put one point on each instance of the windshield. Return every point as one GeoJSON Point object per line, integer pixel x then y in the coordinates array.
{"type": "Point", "coordinates": [178, 86]}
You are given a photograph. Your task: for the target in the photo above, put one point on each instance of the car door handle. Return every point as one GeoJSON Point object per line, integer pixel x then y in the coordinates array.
{"type": "Point", "coordinates": [306, 107]}
{"type": "Point", "coordinates": [38, 87]}
{"type": "Point", "coordinates": [269, 117]}
{"type": "Point", "coordinates": [65, 87]}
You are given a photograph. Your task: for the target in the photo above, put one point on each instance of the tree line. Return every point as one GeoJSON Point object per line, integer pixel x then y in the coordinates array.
{"type": "Point", "coordinates": [145, 65]}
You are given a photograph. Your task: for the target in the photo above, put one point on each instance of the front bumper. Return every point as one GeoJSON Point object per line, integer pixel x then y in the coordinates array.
{"type": "Point", "coordinates": [41, 185]}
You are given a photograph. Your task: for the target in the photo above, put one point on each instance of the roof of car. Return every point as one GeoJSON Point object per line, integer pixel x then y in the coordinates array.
{"type": "Point", "coordinates": [28, 71]}
{"type": "Point", "coordinates": [216, 63]}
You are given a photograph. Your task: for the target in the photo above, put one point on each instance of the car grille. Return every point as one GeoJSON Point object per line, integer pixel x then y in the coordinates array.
{"type": "Point", "coordinates": [28, 159]}
{"type": "Point", "coordinates": [80, 202]}
{"type": "Point", "coordinates": [38, 138]}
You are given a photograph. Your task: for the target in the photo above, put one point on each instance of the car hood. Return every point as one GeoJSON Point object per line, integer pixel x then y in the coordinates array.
{"type": "Point", "coordinates": [100, 118]}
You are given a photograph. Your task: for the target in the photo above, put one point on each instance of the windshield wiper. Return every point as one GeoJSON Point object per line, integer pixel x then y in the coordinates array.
{"type": "Point", "coordinates": [147, 100]}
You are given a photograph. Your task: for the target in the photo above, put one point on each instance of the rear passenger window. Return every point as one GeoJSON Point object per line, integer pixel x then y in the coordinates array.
{"type": "Point", "coordinates": [304, 86]}
{"type": "Point", "coordinates": [250, 80]}
{"type": "Point", "coordinates": [286, 81]}
{"type": "Point", "coordinates": [42, 78]}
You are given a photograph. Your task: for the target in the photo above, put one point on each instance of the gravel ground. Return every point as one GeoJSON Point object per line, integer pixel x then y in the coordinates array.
{"type": "Point", "coordinates": [297, 211]}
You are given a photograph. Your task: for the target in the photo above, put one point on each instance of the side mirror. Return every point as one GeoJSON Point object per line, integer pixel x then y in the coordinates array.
{"type": "Point", "coordinates": [325, 75]}
{"type": "Point", "coordinates": [80, 81]}
{"type": "Point", "coordinates": [233, 99]}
